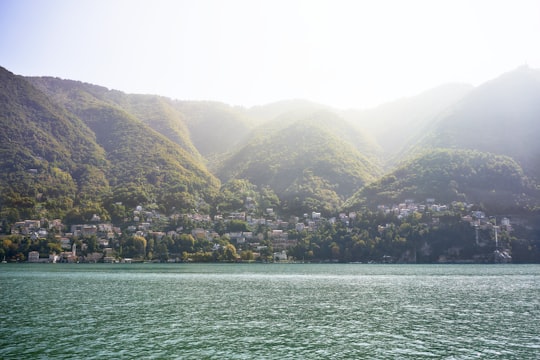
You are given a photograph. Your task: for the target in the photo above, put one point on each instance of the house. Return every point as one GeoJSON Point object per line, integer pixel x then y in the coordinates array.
{"type": "Point", "coordinates": [65, 243]}
{"type": "Point", "coordinates": [56, 224]}
{"type": "Point", "coordinates": [93, 257]}
{"type": "Point", "coordinates": [84, 230]}
{"type": "Point", "coordinates": [237, 216]}
{"type": "Point", "coordinates": [478, 214]}
{"type": "Point", "coordinates": [280, 240]}
{"type": "Point", "coordinates": [280, 256]}
{"type": "Point", "coordinates": [237, 237]}
{"type": "Point", "coordinates": [103, 242]}
{"type": "Point", "coordinates": [33, 256]}
{"type": "Point", "coordinates": [26, 227]}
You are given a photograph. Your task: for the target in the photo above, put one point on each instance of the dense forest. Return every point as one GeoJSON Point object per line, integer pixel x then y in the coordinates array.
{"type": "Point", "coordinates": [76, 152]}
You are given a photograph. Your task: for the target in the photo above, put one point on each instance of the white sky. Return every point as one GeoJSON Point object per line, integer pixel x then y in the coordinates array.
{"type": "Point", "coordinates": [248, 52]}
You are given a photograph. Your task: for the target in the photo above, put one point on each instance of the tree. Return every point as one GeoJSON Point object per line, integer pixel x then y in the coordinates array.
{"type": "Point", "coordinates": [135, 246]}
{"type": "Point", "coordinates": [237, 225]}
{"type": "Point", "coordinates": [186, 243]}
{"type": "Point", "coordinates": [247, 255]}
{"type": "Point", "coordinates": [229, 253]}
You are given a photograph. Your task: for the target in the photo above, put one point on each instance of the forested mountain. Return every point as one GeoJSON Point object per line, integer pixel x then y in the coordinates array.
{"type": "Point", "coordinates": [481, 149]}
{"type": "Point", "coordinates": [446, 175]}
{"type": "Point", "coordinates": [73, 149]}
{"type": "Point", "coordinates": [311, 161]}
{"type": "Point", "coordinates": [49, 158]}
{"type": "Point", "coordinates": [501, 116]}
{"type": "Point", "coordinates": [158, 112]}
{"type": "Point", "coordinates": [102, 155]}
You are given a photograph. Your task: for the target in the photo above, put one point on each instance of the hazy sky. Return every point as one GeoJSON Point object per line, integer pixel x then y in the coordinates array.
{"type": "Point", "coordinates": [249, 52]}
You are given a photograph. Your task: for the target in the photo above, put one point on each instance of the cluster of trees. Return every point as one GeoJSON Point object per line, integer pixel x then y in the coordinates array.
{"type": "Point", "coordinates": [183, 247]}
{"type": "Point", "coordinates": [421, 238]}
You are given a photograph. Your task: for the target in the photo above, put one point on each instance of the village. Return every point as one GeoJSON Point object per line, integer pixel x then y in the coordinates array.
{"type": "Point", "coordinates": [268, 233]}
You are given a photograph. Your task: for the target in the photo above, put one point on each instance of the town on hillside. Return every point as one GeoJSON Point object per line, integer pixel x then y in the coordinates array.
{"type": "Point", "coordinates": [407, 232]}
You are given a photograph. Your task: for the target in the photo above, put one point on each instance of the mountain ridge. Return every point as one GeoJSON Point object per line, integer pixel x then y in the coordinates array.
{"type": "Point", "coordinates": [108, 147]}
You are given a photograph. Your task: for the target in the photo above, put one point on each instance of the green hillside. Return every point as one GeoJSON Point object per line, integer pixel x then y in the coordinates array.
{"type": "Point", "coordinates": [49, 158]}
{"type": "Point", "coordinates": [159, 113]}
{"type": "Point", "coordinates": [146, 166]}
{"type": "Point", "coordinates": [76, 154]}
{"type": "Point", "coordinates": [495, 181]}
{"type": "Point", "coordinates": [71, 149]}
{"type": "Point", "coordinates": [307, 163]}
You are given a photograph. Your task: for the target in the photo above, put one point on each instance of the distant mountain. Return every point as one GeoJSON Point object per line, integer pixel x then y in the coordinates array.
{"type": "Point", "coordinates": [214, 127]}
{"type": "Point", "coordinates": [495, 181]}
{"type": "Point", "coordinates": [501, 116]}
{"type": "Point", "coordinates": [280, 115]}
{"type": "Point", "coordinates": [274, 110]}
{"type": "Point", "coordinates": [308, 159]}
{"type": "Point", "coordinates": [394, 124]}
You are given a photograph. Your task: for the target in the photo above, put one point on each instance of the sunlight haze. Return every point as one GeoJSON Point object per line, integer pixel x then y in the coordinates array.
{"type": "Point", "coordinates": [341, 53]}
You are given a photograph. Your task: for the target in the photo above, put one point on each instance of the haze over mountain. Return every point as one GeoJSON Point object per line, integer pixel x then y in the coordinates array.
{"type": "Point", "coordinates": [491, 154]}
{"type": "Point", "coordinates": [501, 116]}
{"type": "Point", "coordinates": [74, 149]}
{"type": "Point", "coordinates": [394, 124]}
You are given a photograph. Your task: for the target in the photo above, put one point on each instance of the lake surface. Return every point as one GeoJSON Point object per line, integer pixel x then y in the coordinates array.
{"type": "Point", "coordinates": [269, 311]}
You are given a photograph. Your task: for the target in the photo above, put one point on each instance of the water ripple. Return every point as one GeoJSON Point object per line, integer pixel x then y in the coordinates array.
{"type": "Point", "coordinates": [269, 312]}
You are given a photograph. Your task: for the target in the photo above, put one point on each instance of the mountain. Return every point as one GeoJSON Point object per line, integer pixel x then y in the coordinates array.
{"type": "Point", "coordinates": [282, 114]}
{"type": "Point", "coordinates": [500, 117]}
{"type": "Point", "coordinates": [308, 159]}
{"type": "Point", "coordinates": [49, 157]}
{"type": "Point", "coordinates": [74, 149]}
{"type": "Point", "coordinates": [158, 112]}
{"type": "Point", "coordinates": [394, 124]}
{"type": "Point", "coordinates": [277, 109]}
{"type": "Point", "coordinates": [215, 127]}
{"type": "Point", "coordinates": [454, 155]}
{"type": "Point", "coordinates": [78, 134]}
{"type": "Point", "coordinates": [447, 175]}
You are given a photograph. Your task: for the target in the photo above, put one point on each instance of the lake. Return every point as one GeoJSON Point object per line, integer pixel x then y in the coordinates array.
{"type": "Point", "coordinates": [269, 311]}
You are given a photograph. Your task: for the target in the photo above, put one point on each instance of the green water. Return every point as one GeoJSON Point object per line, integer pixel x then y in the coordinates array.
{"type": "Point", "coordinates": [274, 311]}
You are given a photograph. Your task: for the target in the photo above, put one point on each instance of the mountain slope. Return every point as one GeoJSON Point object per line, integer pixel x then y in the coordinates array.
{"type": "Point", "coordinates": [48, 156]}
{"type": "Point", "coordinates": [394, 124]}
{"type": "Point", "coordinates": [91, 140]}
{"type": "Point", "coordinates": [145, 165]}
{"type": "Point", "coordinates": [215, 127]}
{"type": "Point", "coordinates": [500, 116]}
{"type": "Point", "coordinates": [305, 163]}
{"type": "Point", "coordinates": [448, 175]}
{"type": "Point", "coordinates": [157, 112]}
